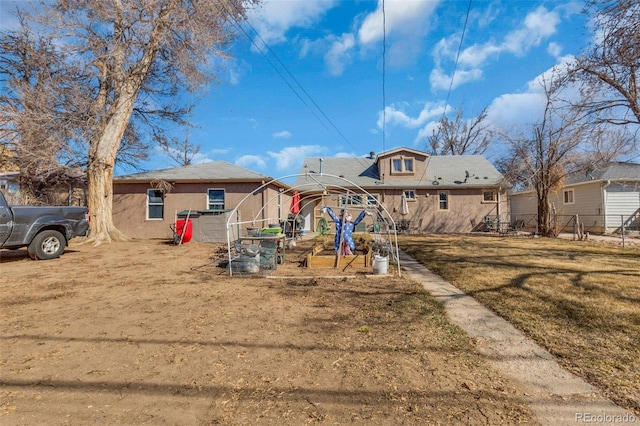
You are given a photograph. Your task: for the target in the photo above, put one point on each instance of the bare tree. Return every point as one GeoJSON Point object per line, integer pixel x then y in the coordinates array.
{"type": "Point", "coordinates": [181, 151]}
{"type": "Point", "coordinates": [459, 136]}
{"type": "Point", "coordinates": [542, 157]}
{"type": "Point", "coordinates": [137, 55]}
{"type": "Point", "coordinates": [606, 144]}
{"type": "Point", "coordinates": [608, 70]}
{"type": "Point", "coordinates": [37, 111]}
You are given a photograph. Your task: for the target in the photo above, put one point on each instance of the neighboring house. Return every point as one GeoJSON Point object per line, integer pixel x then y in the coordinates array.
{"type": "Point", "coordinates": [146, 205]}
{"type": "Point", "coordinates": [445, 194]}
{"type": "Point", "coordinates": [602, 200]}
{"type": "Point", "coordinates": [68, 189]}
{"type": "Point", "coordinates": [9, 186]}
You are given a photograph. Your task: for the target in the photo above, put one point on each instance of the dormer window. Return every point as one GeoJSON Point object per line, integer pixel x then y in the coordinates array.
{"type": "Point", "coordinates": [402, 165]}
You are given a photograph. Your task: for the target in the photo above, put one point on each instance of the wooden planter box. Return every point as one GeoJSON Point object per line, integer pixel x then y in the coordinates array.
{"type": "Point", "coordinates": [316, 259]}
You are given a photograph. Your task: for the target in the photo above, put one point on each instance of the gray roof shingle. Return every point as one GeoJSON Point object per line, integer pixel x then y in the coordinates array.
{"type": "Point", "coordinates": [442, 171]}
{"type": "Point", "coordinates": [614, 171]}
{"type": "Point", "coordinates": [213, 171]}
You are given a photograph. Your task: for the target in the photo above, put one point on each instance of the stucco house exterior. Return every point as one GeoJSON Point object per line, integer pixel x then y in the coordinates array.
{"type": "Point", "coordinates": [145, 205]}
{"type": "Point", "coordinates": [601, 199]}
{"type": "Point", "coordinates": [444, 194]}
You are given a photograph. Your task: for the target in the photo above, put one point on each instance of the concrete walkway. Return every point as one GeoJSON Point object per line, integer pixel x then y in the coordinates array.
{"type": "Point", "coordinates": [556, 396]}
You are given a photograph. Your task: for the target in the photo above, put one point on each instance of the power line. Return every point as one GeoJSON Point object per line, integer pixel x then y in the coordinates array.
{"type": "Point", "coordinates": [453, 74]}
{"type": "Point", "coordinates": [455, 66]}
{"type": "Point", "coordinates": [318, 108]}
{"type": "Point", "coordinates": [384, 95]}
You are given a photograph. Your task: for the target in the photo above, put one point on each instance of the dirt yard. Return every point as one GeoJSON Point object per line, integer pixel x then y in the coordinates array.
{"type": "Point", "coordinates": [149, 333]}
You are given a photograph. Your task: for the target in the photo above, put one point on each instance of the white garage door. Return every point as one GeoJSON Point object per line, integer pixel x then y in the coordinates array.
{"type": "Point", "coordinates": [622, 205]}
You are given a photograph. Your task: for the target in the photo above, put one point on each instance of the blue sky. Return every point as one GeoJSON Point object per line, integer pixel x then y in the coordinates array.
{"type": "Point", "coordinates": [312, 83]}
{"type": "Point", "coordinates": [316, 87]}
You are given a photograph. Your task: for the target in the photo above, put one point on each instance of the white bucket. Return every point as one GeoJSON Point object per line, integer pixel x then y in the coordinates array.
{"type": "Point", "coordinates": [380, 264]}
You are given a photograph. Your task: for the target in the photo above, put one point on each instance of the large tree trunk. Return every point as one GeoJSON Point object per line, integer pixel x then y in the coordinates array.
{"type": "Point", "coordinates": [100, 200]}
{"type": "Point", "coordinates": [544, 215]}
{"type": "Point", "coordinates": [102, 158]}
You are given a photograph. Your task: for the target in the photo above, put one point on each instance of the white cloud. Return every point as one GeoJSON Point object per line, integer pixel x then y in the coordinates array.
{"type": "Point", "coordinates": [219, 151]}
{"type": "Point", "coordinates": [536, 27]}
{"type": "Point", "coordinates": [339, 54]}
{"type": "Point", "coordinates": [516, 109]}
{"type": "Point", "coordinates": [290, 158]}
{"type": "Point", "coordinates": [400, 118]}
{"type": "Point", "coordinates": [249, 161]}
{"type": "Point", "coordinates": [426, 131]}
{"type": "Point", "coordinates": [274, 18]}
{"type": "Point", "coordinates": [401, 16]}
{"type": "Point", "coordinates": [405, 23]}
{"type": "Point", "coordinates": [554, 49]}
{"type": "Point", "coordinates": [441, 81]}
{"type": "Point", "coordinates": [198, 158]}
{"type": "Point", "coordinates": [345, 155]}
{"type": "Point", "coordinates": [285, 134]}
{"type": "Point", "coordinates": [526, 108]}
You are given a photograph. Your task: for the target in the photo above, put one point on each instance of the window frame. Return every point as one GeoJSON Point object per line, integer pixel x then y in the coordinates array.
{"type": "Point", "coordinates": [351, 200]}
{"type": "Point", "coordinates": [447, 201]}
{"type": "Point", "coordinates": [373, 199]}
{"type": "Point", "coordinates": [572, 195]}
{"type": "Point", "coordinates": [155, 204]}
{"type": "Point", "coordinates": [410, 194]}
{"type": "Point", "coordinates": [494, 198]}
{"type": "Point", "coordinates": [407, 165]}
{"type": "Point", "coordinates": [224, 199]}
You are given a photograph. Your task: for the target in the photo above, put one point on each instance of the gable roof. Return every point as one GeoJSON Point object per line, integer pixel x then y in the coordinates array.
{"type": "Point", "coordinates": [403, 149]}
{"type": "Point", "coordinates": [211, 171]}
{"type": "Point", "coordinates": [448, 171]}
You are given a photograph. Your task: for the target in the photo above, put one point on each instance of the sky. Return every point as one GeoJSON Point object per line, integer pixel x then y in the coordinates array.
{"type": "Point", "coordinates": [318, 78]}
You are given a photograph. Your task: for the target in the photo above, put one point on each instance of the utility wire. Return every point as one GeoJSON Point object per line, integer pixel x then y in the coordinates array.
{"type": "Point", "coordinates": [455, 66]}
{"type": "Point", "coordinates": [384, 95]}
{"type": "Point", "coordinates": [318, 108]}
{"type": "Point", "coordinates": [453, 75]}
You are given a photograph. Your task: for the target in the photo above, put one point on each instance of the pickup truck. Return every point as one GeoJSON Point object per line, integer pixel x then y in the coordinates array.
{"type": "Point", "coordinates": [45, 231]}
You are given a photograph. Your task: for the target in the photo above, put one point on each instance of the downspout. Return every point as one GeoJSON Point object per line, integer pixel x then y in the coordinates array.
{"type": "Point", "coordinates": [262, 195]}
{"type": "Point", "coordinates": [604, 205]}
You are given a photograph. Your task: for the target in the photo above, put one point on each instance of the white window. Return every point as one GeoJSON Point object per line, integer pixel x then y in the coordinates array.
{"type": "Point", "coordinates": [568, 196]}
{"type": "Point", "coordinates": [408, 164]}
{"type": "Point", "coordinates": [351, 200]}
{"type": "Point", "coordinates": [410, 194]}
{"type": "Point", "coordinates": [443, 200]}
{"type": "Point", "coordinates": [155, 204]}
{"type": "Point", "coordinates": [402, 165]}
{"type": "Point", "coordinates": [215, 199]}
{"type": "Point", "coordinates": [372, 200]}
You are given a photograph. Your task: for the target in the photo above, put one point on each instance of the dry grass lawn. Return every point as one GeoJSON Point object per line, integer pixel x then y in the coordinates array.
{"type": "Point", "coordinates": [579, 300]}
{"type": "Point", "coordinates": [144, 332]}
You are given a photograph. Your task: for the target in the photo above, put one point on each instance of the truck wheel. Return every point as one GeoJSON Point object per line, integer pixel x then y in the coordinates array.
{"type": "Point", "coordinates": [47, 245]}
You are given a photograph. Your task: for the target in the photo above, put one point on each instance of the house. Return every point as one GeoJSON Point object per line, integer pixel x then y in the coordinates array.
{"type": "Point", "coordinates": [64, 187]}
{"type": "Point", "coordinates": [600, 199]}
{"type": "Point", "coordinates": [444, 194]}
{"type": "Point", "coordinates": [9, 186]}
{"type": "Point", "coordinates": [146, 205]}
